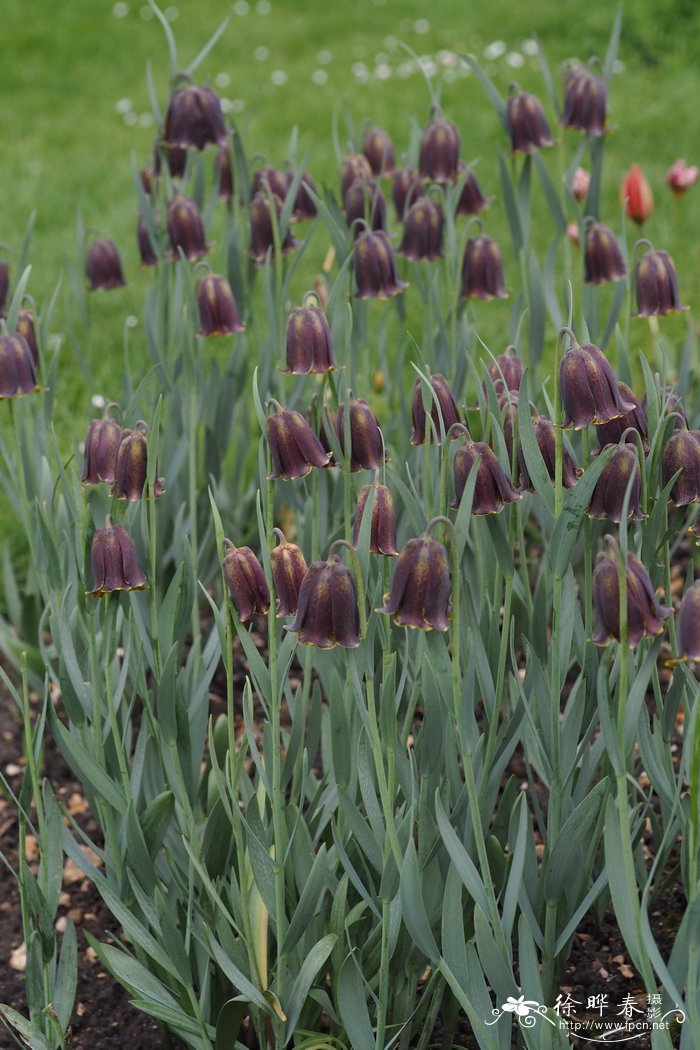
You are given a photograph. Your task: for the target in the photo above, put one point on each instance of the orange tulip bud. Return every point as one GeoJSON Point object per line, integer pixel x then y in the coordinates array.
{"type": "Point", "coordinates": [636, 195]}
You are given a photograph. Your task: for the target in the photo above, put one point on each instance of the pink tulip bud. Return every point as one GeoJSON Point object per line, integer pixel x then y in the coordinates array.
{"type": "Point", "coordinates": [680, 177]}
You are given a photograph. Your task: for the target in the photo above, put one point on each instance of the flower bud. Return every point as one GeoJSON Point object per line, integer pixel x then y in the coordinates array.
{"type": "Point", "coordinates": [194, 118]}
{"type": "Point", "coordinates": [304, 206]}
{"type": "Point", "coordinates": [262, 237]}
{"type": "Point", "coordinates": [656, 285]}
{"type": "Point", "coordinates": [375, 267]}
{"type": "Point", "coordinates": [406, 189]}
{"type": "Point", "coordinates": [355, 166]}
{"type": "Point", "coordinates": [611, 433]}
{"type": "Point", "coordinates": [379, 151]}
{"type": "Point", "coordinates": [420, 588]}
{"type": "Point", "coordinates": [585, 102]}
{"type": "Point", "coordinates": [580, 184]}
{"type": "Point", "coordinates": [443, 410]}
{"type": "Point", "coordinates": [101, 444]}
{"type": "Point", "coordinates": [17, 371]}
{"type": "Point", "coordinates": [645, 614]}
{"type": "Point", "coordinates": [439, 151]}
{"type": "Point", "coordinates": [482, 270]}
{"type": "Point", "coordinates": [328, 614]}
{"type": "Point", "coordinates": [147, 249]}
{"type": "Point", "coordinates": [223, 172]}
{"type": "Point", "coordinates": [670, 402]}
{"type": "Point", "coordinates": [680, 177]}
{"type": "Point", "coordinates": [294, 447]}
{"type": "Point", "coordinates": [526, 123]}
{"type": "Point", "coordinates": [114, 562]}
{"type": "Point", "coordinates": [309, 342]}
{"type": "Point", "coordinates": [422, 232]}
{"type": "Point", "coordinates": [186, 229]}
{"type": "Point", "coordinates": [589, 390]}
{"type": "Point", "coordinates": [636, 195]}
{"type": "Point", "coordinates": [682, 452]}
{"type": "Point", "coordinates": [544, 431]}
{"type": "Point", "coordinates": [270, 180]}
{"type": "Point", "coordinates": [609, 493]}
{"type": "Point", "coordinates": [367, 450]}
{"type": "Point", "coordinates": [27, 329]}
{"type": "Point", "coordinates": [218, 313]}
{"type": "Point", "coordinates": [602, 259]}
{"type": "Point", "coordinates": [493, 489]}
{"type": "Point", "coordinates": [131, 466]}
{"type": "Point", "coordinates": [364, 201]}
{"type": "Point", "coordinates": [288, 570]}
{"type": "Point", "coordinates": [689, 623]}
{"type": "Point", "coordinates": [246, 582]}
{"type": "Point", "coordinates": [506, 372]}
{"type": "Point", "coordinates": [382, 539]}
{"type": "Point", "coordinates": [103, 266]}
{"type": "Point", "coordinates": [471, 199]}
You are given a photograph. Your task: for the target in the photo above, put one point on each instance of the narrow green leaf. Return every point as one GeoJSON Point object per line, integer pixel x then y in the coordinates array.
{"type": "Point", "coordinates": [572, 843]}
{"type": "Point", "coordinates": [465, 866]}
{"type": "Point", "coordinates": [352, 1004]}
{"type": "Point", "coordinates": [66, 977]}
{"type": "Point", "coordinates": [84, 765]}
{"type": "Point", "coordinates": [228, 1024]}
{"type": "Point", "coordinates": [30, 1035]}
{"type": "Point", "coordinates": [308, 902]}
{"type": "Point", "coordinates": [304, 979]}
{"type": "Point", "coordinates": [413, 906]}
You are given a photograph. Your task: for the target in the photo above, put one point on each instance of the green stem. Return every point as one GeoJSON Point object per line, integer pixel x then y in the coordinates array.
{"type": "Point", "coordinates": [193, 485]}
{"type": "Point", "coordinates": [278, 820]}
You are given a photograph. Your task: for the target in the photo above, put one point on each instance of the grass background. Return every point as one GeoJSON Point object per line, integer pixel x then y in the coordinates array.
{"type": "Point", "coordinates": [77, 115]}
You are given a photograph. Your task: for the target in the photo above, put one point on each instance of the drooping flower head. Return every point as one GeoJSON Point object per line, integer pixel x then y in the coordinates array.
{"type": "Point", "coordinates": [246, 581]}
{"type": "Point", "coordinates": [186, 229]}
{"type": "Point", "coordinates": [406, 189]}
{"type": "Point", "coordinates": [379, 151]}
{"type": "Point", "coordinates": [194, 118]}
{"type": "Point", "coordinates": [689, 623]}
{"type": "Point", "coordinates": [382, 539]}
{"type": "Point", "coordinates": [367, 447]}
{"type": "Point", "coordinates": [101, 444]}
{"type": "Point", "coordinates": [364, 201]}
{"type": "Point", "coordinates": [288, 571]}
{"type": "Point", "coordinates": [262, 227]}
{"type": "Point", "coordinates": [328, 614]}
{"type": "Point", "coordinates": [602, 257]}
{"type": "Point", "coordinates": [294, 447]}
{"type": "Point", "coordinates": [375, 267]}
{"type": "Point", "coordinates": [482, 270]}
{"type": "Point", "coordinates": [645, 614]}
{"type": "Point", "coordinates": [443, 410]}
{"type": "Point", "coordinates": [308, 340]}
{"type": "Point", "coordinates": [17, 369]}
{"type": "Point", "coordinates": [439, 151]}
{"type": "Point", "coordinates": [218, 312]}
{"type": "Point", "coordinates": [420, 588]}
{"type": "Point", "coordinates": [103, 266]}
{"type": "Point", "coordinates": [493, 489]}
{"type": "Point", "coordinates": [526, 123]}
{"type": "Point", "coordinates": [609, 493]}
{"type": "Point", "coordinates": [682, 453]}
{"type": "Point", "coordinates": [585, 102]}
{"type": "Point", "coordinates": [422, 232]}
{"type": "Point", "coordinates": [471, 199]}
{"type": "Point", "coordinates": [589, 390]}
{"type": "Point", "coordinates": [656, 285]}
{"type": "Point", "coordinates": [114, 562]}
{"type": "Point", "coordinates": [131, 465]}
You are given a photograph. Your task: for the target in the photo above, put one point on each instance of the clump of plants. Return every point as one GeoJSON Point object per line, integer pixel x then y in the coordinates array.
{"type": "Point", "coordinates": [431, 580]}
